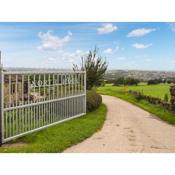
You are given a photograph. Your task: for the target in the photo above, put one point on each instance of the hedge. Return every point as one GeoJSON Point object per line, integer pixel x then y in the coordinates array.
{"type": "Point", "coordinates": [152, 100]}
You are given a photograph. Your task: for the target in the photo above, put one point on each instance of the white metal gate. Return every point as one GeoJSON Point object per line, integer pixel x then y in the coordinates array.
{"type": "Point", "coordinates": [33, 100]}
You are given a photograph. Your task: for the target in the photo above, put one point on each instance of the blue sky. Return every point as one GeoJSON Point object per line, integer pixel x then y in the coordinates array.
{"type": "Point", "coordinates": [143, 46]}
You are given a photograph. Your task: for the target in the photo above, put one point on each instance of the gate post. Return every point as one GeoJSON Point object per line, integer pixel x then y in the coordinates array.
{"type": "Point", "coordinates": [1, 103]}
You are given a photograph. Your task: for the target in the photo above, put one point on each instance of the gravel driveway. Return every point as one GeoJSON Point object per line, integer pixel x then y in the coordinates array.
{"type": "Point", "coordinates": [128, 129]}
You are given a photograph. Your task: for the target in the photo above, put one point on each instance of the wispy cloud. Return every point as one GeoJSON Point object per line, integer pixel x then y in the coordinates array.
{"type": "Point", "coordinates": [172, 26]}
{"type": "Point", "coordinates": [148, 60]}
{"type": "Point", "coordinates": [49, 41]}
{"type": "Point", "coordinates": [140, 32]}
{"type": "Point", "coordinates": [68, 56]}
{"type": "Point", "coordinates": [106, 28]}
{"type": "Point", "coordinates": [108, 51]}
{"type": "Point", "coordinates": [141, 46]}
{"type": "Point", "coordinates": [122, 58]}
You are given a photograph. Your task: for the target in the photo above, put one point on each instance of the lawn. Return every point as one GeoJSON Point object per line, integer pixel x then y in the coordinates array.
{"type": "Point", "coordinates": [158, 90]}
{"type": "Point", "coordinates": [59, 137]}
{"type": "Point", "coordinates": [122, 93]}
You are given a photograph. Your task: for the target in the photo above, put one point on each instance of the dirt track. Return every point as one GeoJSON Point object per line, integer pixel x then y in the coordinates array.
{"type": "Point", "coordinates": [128, 129]}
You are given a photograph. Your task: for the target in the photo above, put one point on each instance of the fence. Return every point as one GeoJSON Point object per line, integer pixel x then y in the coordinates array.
{"type": "Point", "coordinates": [33, 100]}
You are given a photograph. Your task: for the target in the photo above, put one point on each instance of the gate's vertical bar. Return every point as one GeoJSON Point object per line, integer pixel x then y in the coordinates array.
{"type": "Point", "coordinates": [1, 102]}
{"type": "Point", "coordinates": [44, 87]}
{"type": "Point", "coordinates": [85, 91]}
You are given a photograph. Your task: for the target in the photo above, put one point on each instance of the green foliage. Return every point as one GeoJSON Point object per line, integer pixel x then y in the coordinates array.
{"type": "Point", "coordinates": [61, 136]}
{"type": "Point", "coordinates": [95, 68]}
{"type": "Point", "coordinates": [93, 100]}
{"type": "Point", "coordinates": [166, 97]}
{"type": "Point", "coordinates": [172, 101]}
{"type": "Point", "coordinates": [154, 100]}
{"type": "Point", "coordinates": [155, 81]}
{"type": "Point", "coordinates": [125, 81]}
{"type": "Point", "coordinates": [119, 81]}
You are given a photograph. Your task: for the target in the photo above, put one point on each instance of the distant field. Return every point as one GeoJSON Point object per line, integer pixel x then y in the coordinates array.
{"type": "Point", "coordinates": [153, 90]}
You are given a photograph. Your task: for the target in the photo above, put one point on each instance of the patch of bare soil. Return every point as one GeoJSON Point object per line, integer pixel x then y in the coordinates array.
{"type": "Point", "coordinates": [14, 145]}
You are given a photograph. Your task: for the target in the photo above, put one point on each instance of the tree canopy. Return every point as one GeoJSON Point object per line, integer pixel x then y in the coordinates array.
{"type": "Point", "coordinates": [95, 67]}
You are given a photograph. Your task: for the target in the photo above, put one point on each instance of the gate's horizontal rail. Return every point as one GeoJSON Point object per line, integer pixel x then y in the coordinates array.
{"type": "Point", "coordinates": [41, 72]}
{"type": "Point", "coordinates": [42, 102]}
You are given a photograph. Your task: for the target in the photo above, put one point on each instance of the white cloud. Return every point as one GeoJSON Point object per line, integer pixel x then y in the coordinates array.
{"type": "Point", "coordinates": [122, 58]}
{"type": "Point", "coordinates": [172, 26]}
{"type": "Point", "coordinates": [108, 51]}
{"type": "Point", "coordinates": [70, 33]}
{"type": "Point", "coordinates": [107, 28]}
{"type": "Point", "coordinates": [62, 59]}
{"type": "Point", "coordinates": [140, 32]}
{"type": "Point", "coordinates": [78, 51]}
{"type": "Point", "coordinates": [141, 46]}
{"type": "Point", "coordinates": [67, 56]}
{"type": "Point", "coordinates": [53, 42]}
{"type": "Point", "coordinates": [51, 59]}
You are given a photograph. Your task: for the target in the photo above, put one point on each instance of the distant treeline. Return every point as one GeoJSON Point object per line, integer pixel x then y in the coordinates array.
{"type": "Point", "coordinates": [125, 81]}
{"type": "Point", "coordinates": [157, 81]}
{"type": "Point", "coordinates": [132, 81]}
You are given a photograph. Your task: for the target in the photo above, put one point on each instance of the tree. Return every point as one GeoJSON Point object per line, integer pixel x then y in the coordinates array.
{"type": "Point", "coordinates": [95, 67]}
{"type": "Point", "coordinates": [119, 81]}
{"type": "Point", "coordinates": [131, 81]}
{"type": "Point", "coordinates": [125, 81]}
{"type": "Point", "coordinates": [154, 81]}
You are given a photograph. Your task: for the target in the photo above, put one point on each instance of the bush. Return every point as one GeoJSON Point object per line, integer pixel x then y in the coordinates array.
{"type": "Point", "coordinates": [166, 97]}
{"type": "Point", "coordinates": [131, 81]}
{"type": "Point", "coordinates": [152, 100]}
{"type": "Point", "coordinates": [93, 100]}
{"type": "Point", "coordinates": [119, 81]}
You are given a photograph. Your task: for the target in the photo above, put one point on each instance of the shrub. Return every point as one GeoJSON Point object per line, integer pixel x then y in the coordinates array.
{"type": "Point", "coordinates": [139, 96]}
{"type": "Point", "coordinates": [166, 97]}
{"type": "Point", "coordinates": [152, 100]}
{"type": "Point", "coordinates": [172, 101]}
{"type": "Point", "coordinates": [93, 100]}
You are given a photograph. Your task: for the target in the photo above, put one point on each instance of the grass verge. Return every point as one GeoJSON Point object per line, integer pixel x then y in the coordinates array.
{"type": "Point", "coordinates": [157, 110]}
{"type": "Point", "coordinates": [59, 137]}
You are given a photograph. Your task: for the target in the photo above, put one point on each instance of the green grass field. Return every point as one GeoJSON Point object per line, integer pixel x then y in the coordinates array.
{"type": "Point", "coordinates": [153, 90]}
{"type": "Point", "coordinates": [157, 110]}
{"type": "Point", "coordinates": [59, 137]}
